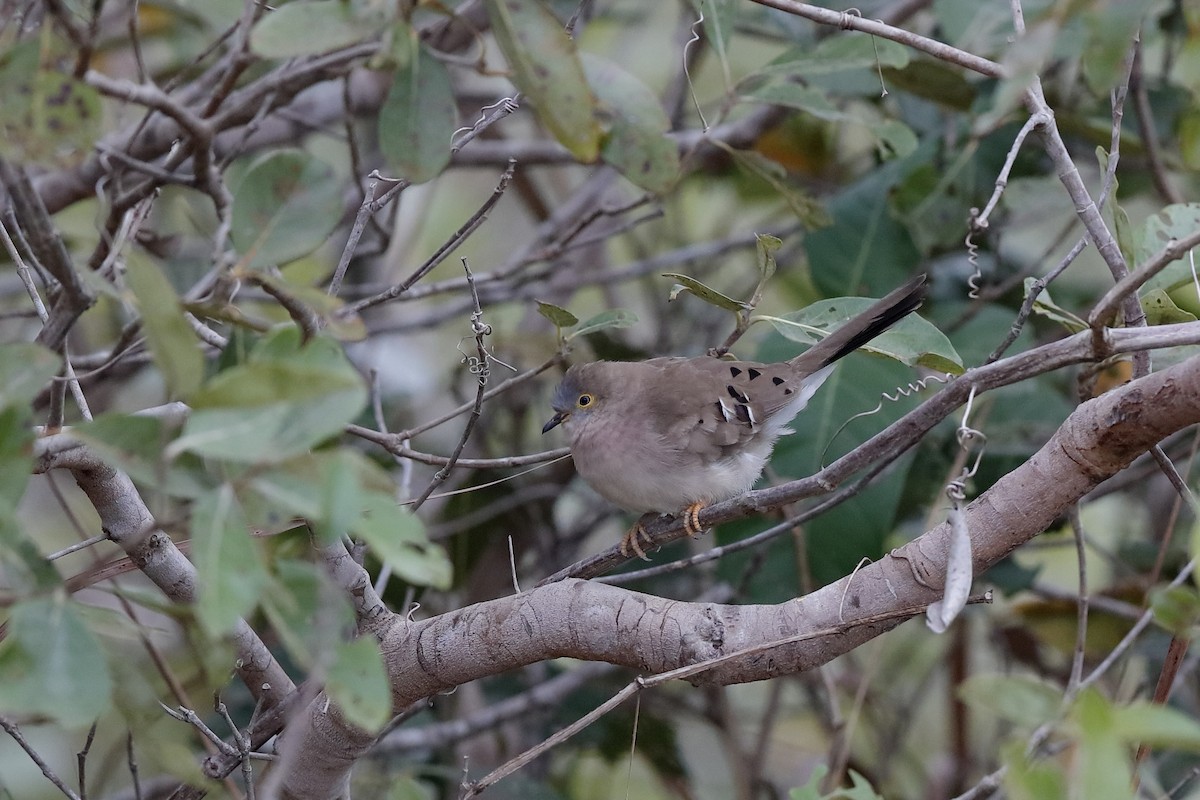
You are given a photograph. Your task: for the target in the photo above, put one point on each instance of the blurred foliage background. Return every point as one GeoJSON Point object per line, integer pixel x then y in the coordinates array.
{"type": "Point", "coordinates": [263, 212]}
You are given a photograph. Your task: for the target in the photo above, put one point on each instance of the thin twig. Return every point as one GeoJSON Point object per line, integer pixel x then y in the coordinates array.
{"type": "Point", "coordinates": [481, 370]}
{"type": "Point", "coordinates": [457, 238]}
{"type": "Point", "coordinates": [1081, 605]}
{"type": "Point", "coordinates": [14, 731]}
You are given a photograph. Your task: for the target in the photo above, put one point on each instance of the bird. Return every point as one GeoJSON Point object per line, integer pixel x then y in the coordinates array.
{"type": "Point", "coordinates": [671, 435]}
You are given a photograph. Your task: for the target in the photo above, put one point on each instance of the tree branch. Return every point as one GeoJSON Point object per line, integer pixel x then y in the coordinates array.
{"type": "Point", "coordinates": [596, 622]}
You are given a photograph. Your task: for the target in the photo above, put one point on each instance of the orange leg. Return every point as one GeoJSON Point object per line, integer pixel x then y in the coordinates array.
{"type": "Point", "coordinates": [691, 524]}
{"type": "Point", "coordinates": [630, 541]}
{"type": "Point", "coordinates": [691, 519]}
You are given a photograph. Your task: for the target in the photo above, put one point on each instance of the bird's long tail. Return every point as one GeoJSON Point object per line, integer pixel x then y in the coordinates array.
{"type": "Point", "coordinates": [864, 327]}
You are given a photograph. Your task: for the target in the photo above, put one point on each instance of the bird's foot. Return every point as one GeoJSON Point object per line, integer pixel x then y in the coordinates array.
{"type": "Point", "coordinates": [691, 519]}
{"type": "Point", "coordinates": [630, 540]}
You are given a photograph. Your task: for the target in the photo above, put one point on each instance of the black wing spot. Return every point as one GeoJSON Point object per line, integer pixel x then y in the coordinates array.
{"type": "Point", "coordinates": [787, 391]}
{"type": "Point", "coordinates": [753, 373]}
{"type": "Point", "coordinates": [743, 413]}
{"type": "Point", "coordinates": [777, 380]}
{"type": "Point", "coordinates": [736, 395]}
{"type": "Point", "coordinates": [734, 371]}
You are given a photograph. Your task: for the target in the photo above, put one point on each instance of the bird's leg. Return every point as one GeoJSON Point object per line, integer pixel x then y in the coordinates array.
{"type": "Point", "coordinates": [630, 540]}
{"type": "Point", "coordinates": [691, 519]}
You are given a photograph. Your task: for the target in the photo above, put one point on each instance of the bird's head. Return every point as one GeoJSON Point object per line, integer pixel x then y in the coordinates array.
{"type": "Point", "coordinates": [582, 393]}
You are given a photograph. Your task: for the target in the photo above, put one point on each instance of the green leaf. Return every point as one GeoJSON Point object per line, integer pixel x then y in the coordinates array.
{"type": "Point", "coordinates": [1161, 309]}
{"type": "Point", "coordinates": [47, 117]}
{"type": "Point", "coordinates": [24, 568]}
{"type": "Point", "coordinates": [869, 245]}
{"type": "Point", "coordinates": [1194, 550]}
{"type": "Point", "coordinates": [704, 292]}
{"type": "Point", "coordinates": [405, 787]}
{"type": "Point", "coordinates": [316, 26]}
{"type": "Point", "coordinates": [302, 486]}
{"type": "Point", "coordinates": [766, 246]}
{"type": "Point", "coordinates": [1028, 779]}
{"type": "Point", "coordinates": [812, 789]}
{"type": "Point", "coordinates": [933, 80]}
{"type": "Point", "coordinates": [283, 401]}
{"type": "Point", "coordinates": [358, 683]}
{"type": "Point", "coordinates": [1176, 608]}
{"type": "Point", "coordinates": [418, 118]}
{"type": "Point", "coordinates": [24, 370]}
{"type": "Point", "coordinates": [806, 208]}
{"type": "Point", "coordinates": [1046, 307]}
{"type": "Point", "coordinates": [309, 615]}
{"type": "Point", "coordinates": [1020, 699]}
{"type": "Point", "coordinates": [808, 99]}
{"type": "Point", "coordinates": [558, 316]}
{"type": "Point", "coordinates": [912, 340]}
{"type": "Point", "coordinates": [398, 538]}
{"type": "Point", "coordinates": [894, 139]}
{"type": "Point", "coordinates": [613, 318]}
{"type": "Point", "coordinates": [836, 54]}
{"type": "Point", "coordinates": [719, 19]}
{"type": "Point", "coordinates": [1188, 130]}
{"type": "Point", "coordinates": [1102, 766]}
{"type": "Point", "coordinates": [545, 66]}
{"type": "Point", "coordinates": [1122, 228]}
{"type": "Point", "coordinates": [173, 346]}
{"type": "Point", "coordinates": [135, 444]}
{"type": "Point", "coordinates": [1143, 722]}
{"type": "Point", "coordinates": [1172, 222]}
{"type": "Point", "coordinates": [860, 788]}
{"type": "Point", "coordinates": [341, 491]}
{"type": "Point", "coordinates": [229, 568]}
{"type": "Point", "coordinates": [15, 467]}
{"type": "Point", "coordinates": [1108, 36]}
{"type": "Point", "coordinates": [285, 207]}
{"type": "Point", "coordinates": [51, 664]}
{"type": "Point", "coordinates": [636, 143]}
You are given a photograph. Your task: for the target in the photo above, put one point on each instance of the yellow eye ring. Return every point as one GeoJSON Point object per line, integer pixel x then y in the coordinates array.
{"type": "Point", "coordinates": [585, 400]}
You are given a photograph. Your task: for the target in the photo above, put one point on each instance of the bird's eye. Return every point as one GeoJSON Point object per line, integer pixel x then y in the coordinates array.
{"type": "Point", "coordinates": [585, 400]}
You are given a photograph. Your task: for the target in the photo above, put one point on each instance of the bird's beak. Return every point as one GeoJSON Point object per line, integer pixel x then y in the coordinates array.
{"type": "Point", "coordinates": [555, 421]}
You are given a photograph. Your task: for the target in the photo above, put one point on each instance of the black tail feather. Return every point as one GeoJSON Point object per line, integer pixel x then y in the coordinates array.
{"type": "Point", "coordinates": [866, 326]}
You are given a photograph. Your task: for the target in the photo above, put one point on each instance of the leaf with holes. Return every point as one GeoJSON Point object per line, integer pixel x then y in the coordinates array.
{"type": "Point", "coordinates": [1172, 222]}
{"type": "Point", "coordinates": [47, 117]}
